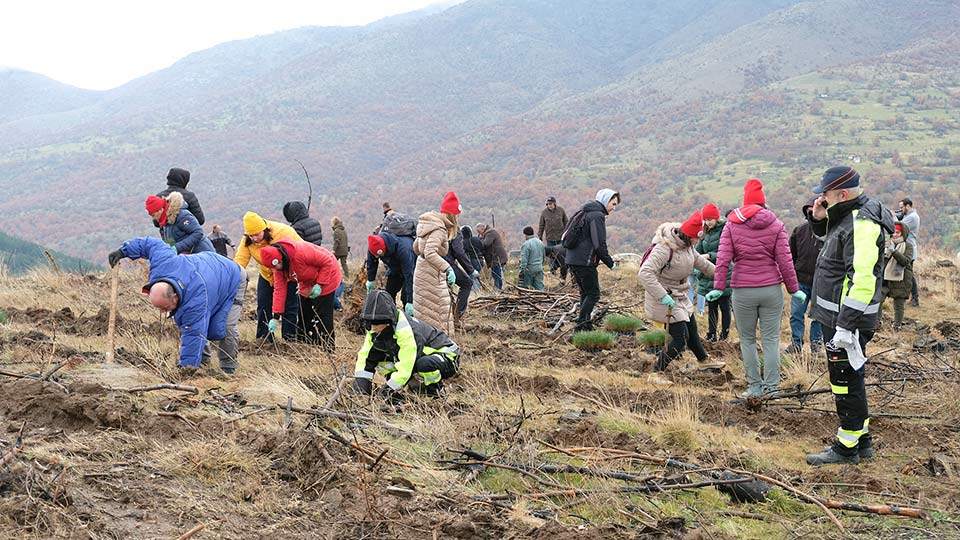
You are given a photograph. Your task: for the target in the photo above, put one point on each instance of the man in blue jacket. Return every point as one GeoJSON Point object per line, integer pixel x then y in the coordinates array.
{"type": "Point", "coordinates": [203, 293]}
{"type": "Point", "coordinates": [397, 252]}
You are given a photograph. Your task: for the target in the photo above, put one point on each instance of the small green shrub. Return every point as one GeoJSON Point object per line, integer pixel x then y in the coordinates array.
{"type": "Point", "coordinates": [622, 323]}
{"type": "Point", "coordinates": [653, 338]}
{"type": "Point", "coordinates": [3, 317]}
{"type": "Point", "coordinates": [594, 340]}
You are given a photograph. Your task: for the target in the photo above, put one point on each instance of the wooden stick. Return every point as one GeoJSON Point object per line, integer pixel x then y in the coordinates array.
{"type": "Point", "coordinates": [572, 492]}
{"type": "Point", "coordinates": [795, 491]}
{"type": "Point", "coordinates": [344, 416]}
{"type": "Point", "coordinates": [191, 532]}
{"type": "Point", "coordinates": [336, 393]}
{"type": "Point", "coordinates": [32, 377]}
{"type": "Point", "coordinates": [883, 509]}
{"type": "Point", "coordinates": [112, 322]}
{"type": "Point", "coordinates": [165, 386]}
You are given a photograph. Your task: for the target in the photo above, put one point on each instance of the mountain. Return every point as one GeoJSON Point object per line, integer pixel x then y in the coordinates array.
{"type": "Point", "coordinates": [505, 101]}
{"type": "Point", "coordinates": [24, 94]}
{"type": "Point", "coordinates": [18, 256]}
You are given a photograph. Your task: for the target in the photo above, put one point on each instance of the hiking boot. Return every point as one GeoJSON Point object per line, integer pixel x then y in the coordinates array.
{"type": "Point", "coordinates": [751, 393]}
{"type": "Point", "coordinates": [864, 448]}
{"type": "Point", "coordinates": [915, 302]}
{"type": "Point", "coordinates": [435, 390]}
{"type": "Point", "coordinates": [708, 364]}
{"type": "Point", "coordinates": [186, 372]}
{"type": "Point", "coordinates": [831, 457]}
{"type": "Point", "coordinates": [710, 338]}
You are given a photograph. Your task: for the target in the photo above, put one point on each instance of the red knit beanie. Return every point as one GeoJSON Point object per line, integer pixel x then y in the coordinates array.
{"type": "Point", "coordinates": [451, 204]}
{"type": "Point", "coordinates": [693, 226]}
{"type": "Point", "coordinates": [155, 204]}
{"type": "Point", "coordinates": [753, 192]}
{"type": "Point", "coordinates": [270, 256]}
{"type": "Point", "coordinates": [376, 245]}
{"type": "Point", "coordinates": [710, 211]}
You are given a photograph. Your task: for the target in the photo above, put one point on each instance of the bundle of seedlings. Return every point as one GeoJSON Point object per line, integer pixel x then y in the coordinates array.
{"type": "Point", "coordinates": [623, 325]}
{"type": "Point", "coordinates": [653, 341]}
{"type": "Point", "coordinates": [594, 341]}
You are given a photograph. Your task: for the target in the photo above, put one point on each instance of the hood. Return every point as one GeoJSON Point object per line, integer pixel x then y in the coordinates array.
{"type": "Point", "coordinates": [604, 196]}
{"type": "Point", "coordinates": [430, 222]}
{"type": "Point", "coordinates": [338, 226]}
{"type": "Point", "coordinates": [176, 204]}
{"type": "Point", "coordinates": [294, 211]}
{"type": "Point", "coordinates": [467, 232]}
{"type": "Point", "coordinates": [178, 178]}
{"type": "Point", "coordinates": [667, 234]}
{"type": "Point", "coordinates": [753, 216]}
{"type": "Point", "coordinates": [905, 227]}
{"type": "Point", "coordinates": [379, 306]}
{"type": "Point", "coordinates": [595, 206]}
{"type": "Point", "coordinates": [289, 248]}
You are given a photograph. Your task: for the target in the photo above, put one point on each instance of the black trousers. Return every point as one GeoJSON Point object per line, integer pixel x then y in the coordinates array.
{"type": "Point", "coordinates": [465, 284]}
{"type": "Point", "coordinates": [719, 307]}
{"type": "Point", "coordinates": [589, 284]}
{"type": "Point", "coordinates": [683, 334]}
{"type": "Point", "coordinates": [849, 393]}
{"type": "Point", "coordinates": [395, 285]}
{"type": "Point", "coordinates": [316, 322]}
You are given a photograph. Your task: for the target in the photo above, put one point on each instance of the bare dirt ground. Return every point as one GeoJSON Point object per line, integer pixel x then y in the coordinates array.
{"type": "Point", "coordinates": [560, 443]}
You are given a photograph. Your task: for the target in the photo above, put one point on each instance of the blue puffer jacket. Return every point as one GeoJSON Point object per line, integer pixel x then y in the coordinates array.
{"type": "Point", "coordinates": [186, 233]}
{"type": "Point", "coordinates": [206, 284]}
{"type": "Point", "coordinates": [399, 258]}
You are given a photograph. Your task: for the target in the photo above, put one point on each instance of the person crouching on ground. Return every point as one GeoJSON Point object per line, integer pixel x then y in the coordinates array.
{"type": "Point", "coordinates": [317, 275]}
{"type": "Point", "coordinates": [399, 347]}
{"type": "Point", "coordinates": [664, 279]}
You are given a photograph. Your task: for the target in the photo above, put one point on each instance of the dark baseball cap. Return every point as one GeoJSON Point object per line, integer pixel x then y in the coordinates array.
{"type": "Point", "coordinates": [551, 200]}
{"type": "Point", "coordinates": [838, 178]}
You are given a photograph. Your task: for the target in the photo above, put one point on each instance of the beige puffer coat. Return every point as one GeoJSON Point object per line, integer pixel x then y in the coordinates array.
{"type": "Point", "coordinates": [431, 297]}
{"type": "Point", "coordinates": [661, 274]}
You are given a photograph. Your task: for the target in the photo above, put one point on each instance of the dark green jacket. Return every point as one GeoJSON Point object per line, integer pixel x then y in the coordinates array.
{"type": "Point", "coordinates": [709, 244]}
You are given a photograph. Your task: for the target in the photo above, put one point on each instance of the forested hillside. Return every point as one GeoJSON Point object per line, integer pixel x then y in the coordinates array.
{"type": "Point", "coordinates": [17, 256]}
{"type": "Point", "coordinates": [506, 101]}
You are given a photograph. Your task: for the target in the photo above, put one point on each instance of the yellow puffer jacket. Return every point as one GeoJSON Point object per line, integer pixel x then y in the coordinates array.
{"type": "Point", "coordinates": [244, 252]}
{"type": "Point", "coordinates": [431, 297]}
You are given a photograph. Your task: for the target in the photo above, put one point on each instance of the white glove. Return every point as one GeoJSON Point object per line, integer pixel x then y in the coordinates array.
{"type": "Point", "coordinates": [851, 342]}
{"type": "Point", "coordinates": [843, 338]}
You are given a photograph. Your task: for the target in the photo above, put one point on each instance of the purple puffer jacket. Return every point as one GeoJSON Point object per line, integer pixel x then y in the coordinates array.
{"type": "Point", "coordinates": [759, 247]}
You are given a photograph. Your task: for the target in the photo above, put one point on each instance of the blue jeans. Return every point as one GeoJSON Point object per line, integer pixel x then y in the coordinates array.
{"type": "Point", "coordinates": [798, 312]}
{"type": "Point", "coordinates": [497, 271]}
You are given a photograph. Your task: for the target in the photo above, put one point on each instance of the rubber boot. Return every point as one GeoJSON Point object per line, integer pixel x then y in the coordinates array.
{"type": "Point", "coordinates": [831, 457]}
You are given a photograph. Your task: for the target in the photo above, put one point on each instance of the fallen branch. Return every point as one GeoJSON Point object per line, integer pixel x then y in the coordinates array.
{"type": "Point", "coordinates": [572, 492]}
{"type": "Point", "coordinates": [9, 455]}
{"type": "Point", "coordinates": [369, 453]}
{"type": "Point", "coordinates": [336, 393]}
{"type": "Point", "coordinates": [191, 532]}
{"type": "Point", "coordinates": [165, 386]}
{"type": "Point", "coordinates": [799, 494]}
{"type": "Point", "coordinates": [32, 377]}
{"type": "Point", "coordinates": [344, 416]}
{"type": "Point", "coordinates": [883, 509]}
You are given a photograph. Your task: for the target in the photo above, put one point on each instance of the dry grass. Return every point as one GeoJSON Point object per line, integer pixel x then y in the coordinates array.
{"type": "Point", "coordinates": [210, 461]}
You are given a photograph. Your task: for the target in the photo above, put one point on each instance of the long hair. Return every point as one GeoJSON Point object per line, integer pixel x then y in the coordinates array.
{"type": "Point", "coordinates": [267, 238]}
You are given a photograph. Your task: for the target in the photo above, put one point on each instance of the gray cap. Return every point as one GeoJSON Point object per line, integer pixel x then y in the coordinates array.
{"type": "Point", "coordinates": [379, 308]}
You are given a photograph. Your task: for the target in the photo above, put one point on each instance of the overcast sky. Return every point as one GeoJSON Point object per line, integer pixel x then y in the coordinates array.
{"type": "Point", "coordinates": [101, 44]}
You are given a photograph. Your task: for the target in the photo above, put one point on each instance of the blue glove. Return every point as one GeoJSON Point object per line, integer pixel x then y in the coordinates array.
{"type": "Point", "coordinates": [614, 267]}
{"type": "Point", "coordinates": [713, 295]}
{"type": "Point", "coordinates": [475, 274]}
{"type": "Point", "coordinates": [371, 285]}
{"type": "Point", "coordinates": [800, 295]}
{"type": "Point", "coordinates": [315, 291]}
{"type": "Point", "coordinates": [408, 309]}
{"type": "Point", "coordinates": [667, 301]}
{"type": "Point", "coordinates": [273, 325]}
{"type": "Point", "coordinates": [451, 276]}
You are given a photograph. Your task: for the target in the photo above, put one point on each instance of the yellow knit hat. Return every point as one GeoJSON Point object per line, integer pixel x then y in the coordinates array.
{"type": "Point", "coordinates": [253, 223]}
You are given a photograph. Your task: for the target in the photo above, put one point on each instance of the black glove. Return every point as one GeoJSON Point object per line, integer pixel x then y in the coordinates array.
{"type": "Point", "coordinates": [115, 257]}
{"type": "Point", "coordinates": [389, 395]}
{"type": "Point", "coordinates": [363, 386]}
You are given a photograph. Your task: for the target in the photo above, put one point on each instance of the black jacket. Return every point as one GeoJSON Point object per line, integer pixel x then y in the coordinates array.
{"type": "Point", "coordinates": [177, 180]}
{"type": "Point", "coordinates": [805, 248]}
{"type": "Point", "coordinates": [456, 254]}
{"type": "Point", "coordinates": [309, 229]}
{"type": "Point", "coordinates": [473, 247]}
{"type": "Point", "coordinates": [592, 247]}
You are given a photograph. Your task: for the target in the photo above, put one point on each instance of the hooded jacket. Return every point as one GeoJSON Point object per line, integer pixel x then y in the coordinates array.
{"type": "Point", "coordinates": [552, 224]}
{"type": "Point", "coordinates": [457, 254]}
{"type": "Point", "coordinates": [431, 300]}
{"type": "Point", "coordinates": [592, 247]}
{"type": "Point", "coordinates": [247, 249]}
{"type": "Point", "coordinates": [206, 284]}
{"type": "Point", "coordinates": [340, 246]}
{"type": "Point", "coordinates": [177, 180]}
{"type": "Point", "coordinates": [662, 274]}
{"type": "Point", "coordinates": [493, 251]}
{"type": "Point", "coordinates": [708, 245]}
{"type": "Point", "coordinates": [308, 265]}
{"type": "Point", "coordinates": [804, 249]}
{"type": "Point", "coordinates": [898, 268]}
{"type": "Point", "coordinates": [395, 350]}
{"type": "Point", "coordinates": [182, 228]}
{"type": "Point", "coordinates": [756, 242]}
{"type": "Point", "coordinates": [473, 247]}
{"type": "Point", "coordinates": [399, 259]}
{"type": "Point", "coordinates": [847, 281]}
{"type": "Point", "coordinates": [309, 229]}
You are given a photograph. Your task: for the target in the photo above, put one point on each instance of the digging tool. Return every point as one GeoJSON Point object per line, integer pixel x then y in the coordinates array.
{"type": "Point", "coordinates": [112, 322]}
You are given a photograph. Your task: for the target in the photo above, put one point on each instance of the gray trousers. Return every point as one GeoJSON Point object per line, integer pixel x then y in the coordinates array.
{"type": "Point", "coordinates": [228, 346]}
{"type": "Point", "coordinates": [763, 305]}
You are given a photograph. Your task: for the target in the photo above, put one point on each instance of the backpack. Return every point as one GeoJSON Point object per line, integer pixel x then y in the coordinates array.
{"type": "Point", "coordinates": [399, 224]}
{"type": "Point", "coordinates": [649, 251]}
{"type": "Point", "coordinates": [573, 232]}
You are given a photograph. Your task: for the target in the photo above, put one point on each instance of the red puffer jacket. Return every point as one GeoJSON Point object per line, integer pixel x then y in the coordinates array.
{"type": "Point", "coordinates": [757, 243]}
{"type": "Point", "coordinates": [310, 265]}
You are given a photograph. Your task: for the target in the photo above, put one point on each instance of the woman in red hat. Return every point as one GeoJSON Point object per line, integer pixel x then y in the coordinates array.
{"type": "Point", "coordinates": [433, 274]}
{"type": "Point", "coordinates": [664, 277]}
{"type": "Point", "coordinates": [178, 226]}
{"type": "Point", "coordinates": [317, 274]}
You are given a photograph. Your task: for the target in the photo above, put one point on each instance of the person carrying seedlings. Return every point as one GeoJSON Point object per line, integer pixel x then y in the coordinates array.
{"type": "Point", "coordinates": [719, 309]}
{"type": "Point", "coordinates": [897, 274]}
{"type": "Point", "coordinates": [177, 180]}
{"type": "Point", "coordinates": [202, 292]}
{"type": "Point", "coordinates": [846, 299]}
{"type": "Point", "coordinates": [586, 242]}
{"type": "Point", "coordinates": [756, 241]}
{"type": "Point", "coordinates": [397, 254]}
{"type": "Point", "coordinates": [399, 347]}
{"type": "Point", "coordinates": [433, 274]}
{"type": "Point", "coordinates": [259, 233]}
{"type": "Point", "coordinates": [664, 278]}
{"type": "Point", "coordinates": [316, 274]}
{"type": "Point", "coordinates": [178, 226]}
{"type": "Point", "coordinates": [532, 254]}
